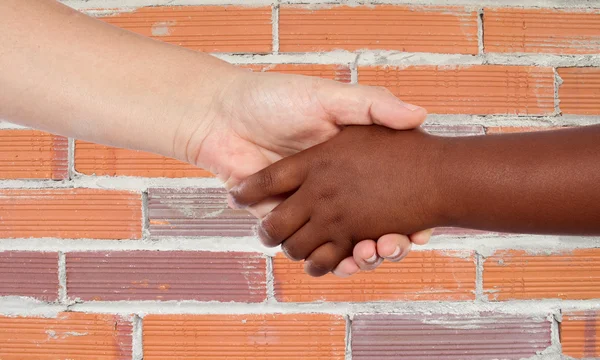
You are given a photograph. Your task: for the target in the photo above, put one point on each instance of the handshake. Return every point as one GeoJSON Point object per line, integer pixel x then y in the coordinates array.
{"type": "Point", "coordinates": [364, 183]}
{"type": "Point", "coordinates": [369, 181]}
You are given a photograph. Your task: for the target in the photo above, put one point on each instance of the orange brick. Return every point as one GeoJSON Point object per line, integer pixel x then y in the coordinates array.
{"type": "Point", "coordinates": [519, 129]}
{"type": "Point", "coordinates": [512, 274]}
{"type": "Point", "coordinates": [32, 154]}
{"type": "Point", "coordinates": [334, 72]}
{"type": "Point", "coordinates": [94, 159]}
{"type": "Point", "coordinates": [70, 213]}
{"type": "Point", "coordinates": [422, 275]}
{"type": "Point", "coordinates": [274, 336]}
{"type": "Point", "coordinates": [402, 28]}
{"type": "Point", "coordinates": [579, 334]}
{"type": "Point", "coordinates": [541, 31]}
{"type": "Point", "coordinates": [579, 93]}
{"type": "Point", "coordinates": [203, 28]}
{"type": "Point", "coordinates": [469, 89]}
{"type": "Point", "coordinates": [68, 336]}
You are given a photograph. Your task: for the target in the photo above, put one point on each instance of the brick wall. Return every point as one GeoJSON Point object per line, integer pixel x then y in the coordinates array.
{"type": "Point", "coordinates": [115, 254]}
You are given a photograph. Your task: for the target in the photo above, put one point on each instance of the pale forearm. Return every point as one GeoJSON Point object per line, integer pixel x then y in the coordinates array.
{"type": "Point", "coordinates": [68, 73]}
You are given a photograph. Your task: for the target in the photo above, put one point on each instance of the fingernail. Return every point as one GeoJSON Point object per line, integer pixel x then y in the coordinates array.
{"type": "Point", "coordinates": [412, 107]}
{"type": "Point", "coordinates": [230, 203]}
{"type": "Point", "coordinates": [234, 204]}
{"type": "Point", "coordinates": [372, 259]}
{"type": "Point", "coordinates": [396, 253]}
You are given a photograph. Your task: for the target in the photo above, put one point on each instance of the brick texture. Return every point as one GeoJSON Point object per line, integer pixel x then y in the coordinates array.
{"type": "Point", "coordinates": [260, 337]}
{"type": "Point", "coordinates": [195, 212]}
{"type": "Point", "coordinates": [173, 275]}
{"type": "Point", "coordinates": [580, 91]}
{"type": "Point", "coordinates": [541, 31]}
{"type": "Point", "coordinates": [94, 159]}
{"type": "Point", "coordinates": [70, 213]}
{"type": "Point", "coordinates": [449, 337]}
{"type": "Point", "coordinates": [468, 89]}
{"type": "Point", "coordinates": [204, 28]}
{"type": "Point", "coordinates": [579, 334]}
{"type": "Point", "coordinates": [402, 28]}
{"type": "Point", "coordinates": [422, 275]}
{"type": "Point", "coordinates": [513, 274]}
{"type": "Point", "coordinates": [334, 72]}
{"type": "Point", "coordinates": [146, 236]}
{"type": "Point", "coordinates": [68, 336]}
{"type": "Point", "coordinates": [33, 274]}
{"type": "Point", "coordinates": [518, 129]}
{"type": "Point", "coordinates": [32, 154]}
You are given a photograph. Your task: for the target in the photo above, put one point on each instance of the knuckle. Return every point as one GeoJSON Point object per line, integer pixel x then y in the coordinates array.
{"type": "Point", "coordinates": [336, 219]}
{"type": "Point", "coordinates": [266, 180]}
{"type": "Point", "coordinates": [290, 249]}
{"type": "Point", "coordinates": [321, 164]}
{"type": "Point", "coordinates": [268, 232]}
{"type": "Point", "coordinates": [327, 194]}
{"type": "Point", "coordinates": [384, 90]}
{"type": "Point", "coordinates": [316, 269]}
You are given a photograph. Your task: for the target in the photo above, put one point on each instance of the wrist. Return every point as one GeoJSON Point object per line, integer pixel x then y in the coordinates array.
{"type": "Point", "coordinates": [448, 183]}
{"type": "Point", "coordinates": [207, 109]}
{"type": "Point", "coordinates": [443, 202]}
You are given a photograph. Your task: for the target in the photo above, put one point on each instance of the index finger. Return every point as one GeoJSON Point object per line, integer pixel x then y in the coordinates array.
{"type": "Point", "coordinates": [282, 177]}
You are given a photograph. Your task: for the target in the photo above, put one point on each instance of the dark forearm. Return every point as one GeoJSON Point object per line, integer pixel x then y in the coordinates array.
{"type": "Point", "coordinates": [545, 182]}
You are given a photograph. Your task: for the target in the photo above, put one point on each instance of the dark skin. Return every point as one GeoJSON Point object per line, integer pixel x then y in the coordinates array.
{"type": "Point", "coordinates": [370, 181]}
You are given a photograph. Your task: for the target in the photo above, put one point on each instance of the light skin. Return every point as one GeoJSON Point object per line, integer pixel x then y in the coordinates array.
{"type": "Point", "coordinates": [370, 181]}
{"type": "Point", "coordinates": [69, 74]}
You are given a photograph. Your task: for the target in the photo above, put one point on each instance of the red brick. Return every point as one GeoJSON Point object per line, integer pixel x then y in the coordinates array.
{"type": "Point", "coordinates": [402, 28]}
{"type": "Point", "coordinates": [33, 274]}
{"type": "Point", "coordinates": [422, 275]}
{"type": "Point", "coordinates": [196, 212]}
{"type": "Point", "coordinates": [579, 334]}
{"type": "Point", "coordinates": [94, 159]}
{"type": "Point", "coordinates": [70, 213]}
{"type": "Point", "coordinates": [548, 31]}
{"type": "Point", "coordinates": [517, 275]}
{"type": "Point", "coordinates": [257, 337]}
{"type": "Point", "coordinates": [579, 93]}
{"type": "Point", "coordinates": [448, 337]}
{"type": "Point", "coordinates": [204, 28]}
{"type": "Point", "coordinates": [334, 72]}
{"type": "Point", "coordinates": [166, 275]}
{"type": "Point", "coordinates": [32, 154]}
{"type": "Point", "coordinates": [519, 129]}
{"type": "Point", "coordinates": [480, 89]}
{"type": "Point", "coordinates": [68, 336]}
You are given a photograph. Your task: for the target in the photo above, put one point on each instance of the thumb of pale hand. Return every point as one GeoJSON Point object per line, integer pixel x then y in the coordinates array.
{"type": "Point", "coordinates": [367, 105]}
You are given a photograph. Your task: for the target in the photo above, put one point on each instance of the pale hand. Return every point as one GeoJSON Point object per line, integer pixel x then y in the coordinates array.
{"type": "Point", "coordinates": [260, 118]}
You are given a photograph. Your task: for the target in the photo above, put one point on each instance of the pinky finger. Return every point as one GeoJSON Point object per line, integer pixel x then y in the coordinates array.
{"type": "Point", "coordinates": [421, 237]}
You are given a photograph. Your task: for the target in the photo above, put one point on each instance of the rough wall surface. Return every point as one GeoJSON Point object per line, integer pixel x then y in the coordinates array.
{"type": "Point", "coordinates": [166, 271]}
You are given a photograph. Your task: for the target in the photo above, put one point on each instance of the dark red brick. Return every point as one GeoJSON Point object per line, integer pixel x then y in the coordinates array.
{"type": "Point", "coordinates": [33, 274]}
{"type": "Point", "coordinates": [448, 337]}
{"type": "Point", "coordinates": [196, 212]}
{"type": "Point", "coordinates": [166, 275]}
